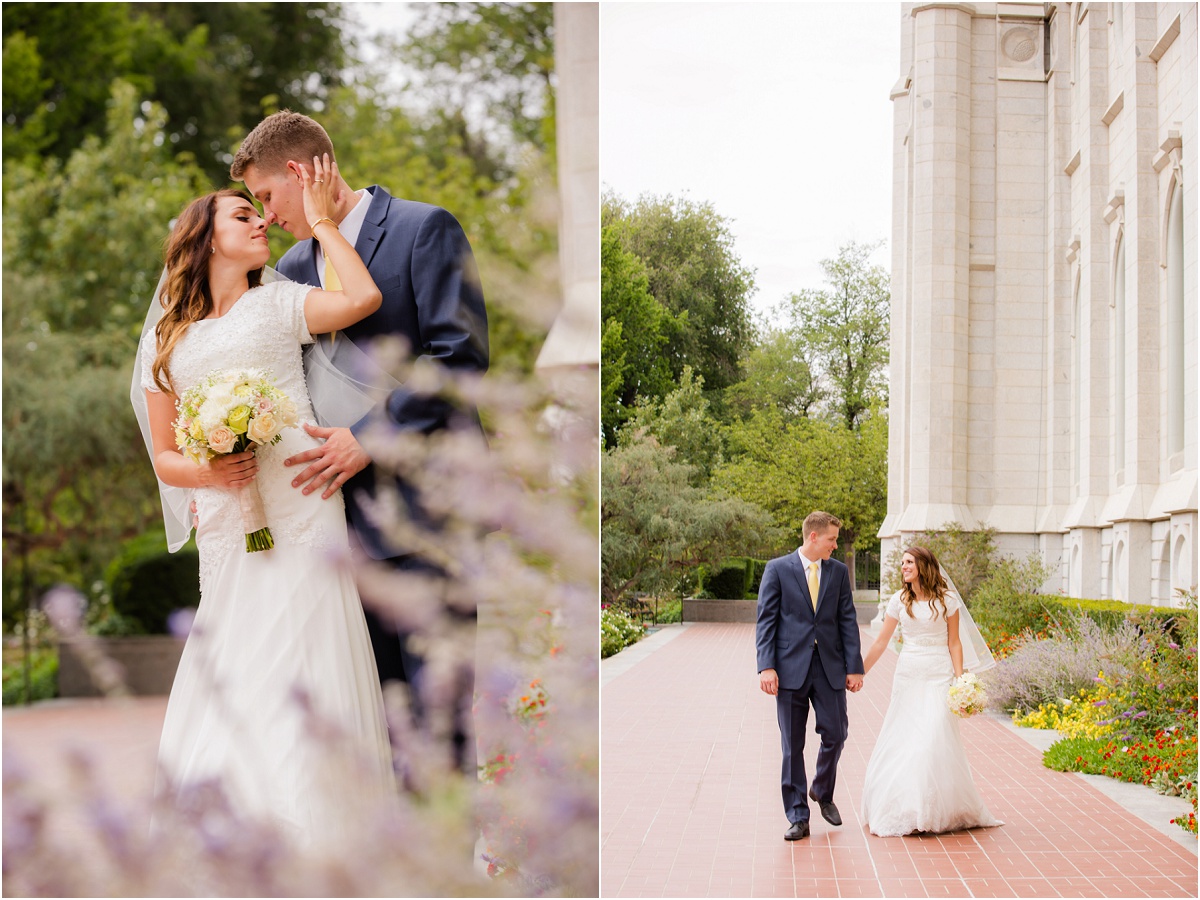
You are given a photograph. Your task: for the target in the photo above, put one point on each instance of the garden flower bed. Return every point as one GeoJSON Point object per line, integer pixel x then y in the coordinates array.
{"type": "Point", "coordinates": [1123, 697]}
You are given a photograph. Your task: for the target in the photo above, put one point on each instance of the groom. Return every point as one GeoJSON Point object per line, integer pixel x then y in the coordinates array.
{"type": "Point", "coordinates": [808, 652]}
{"type": "Point", "coordinates": [422, 263]}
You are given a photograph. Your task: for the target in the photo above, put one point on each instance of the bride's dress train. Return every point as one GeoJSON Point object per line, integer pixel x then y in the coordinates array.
{"type": "Point", "coordinates": [918, 778]}
{"type": "Point", "coordinates": [276, 695]}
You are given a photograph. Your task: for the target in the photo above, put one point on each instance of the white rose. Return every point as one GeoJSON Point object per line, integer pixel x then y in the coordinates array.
{"type": "Point", "coordinates": [286, 410]}
{"type": "Point", "coordinates": [222, 439]}
{"type": "Point", "coordinates": [263, 428]}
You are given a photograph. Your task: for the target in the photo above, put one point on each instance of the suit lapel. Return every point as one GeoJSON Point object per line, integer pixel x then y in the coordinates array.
{"type": "Point", "coordinates": [370, 236]}
{"type": "Point", "coordinates": [802, 581]}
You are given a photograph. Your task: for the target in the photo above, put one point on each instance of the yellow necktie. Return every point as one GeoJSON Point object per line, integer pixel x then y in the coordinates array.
{"type": "Point", "coordinates": [814, 582]}
{"type": "Point", "coordinates": [332, 283]}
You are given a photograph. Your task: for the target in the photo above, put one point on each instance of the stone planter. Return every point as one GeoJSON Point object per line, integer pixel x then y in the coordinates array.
{"type": "Point", "coordinates": [148, 663]}
{"type": "Point", "coordinates": [866, 605]}
{"type": "Point", "coordinates": [703, 610]}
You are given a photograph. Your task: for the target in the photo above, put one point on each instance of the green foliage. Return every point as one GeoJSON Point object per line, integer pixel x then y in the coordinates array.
{"type": "Point", "coordinates": [214, 67]}
{"type": "Point", "coordinates": [730, 581]}
{"type": "Point", "coordinates": [968, 556]}
{"type": "Point", "coordinates": [90, 231]}
{"type": "Point", "coordinates": [681, 420]}
{"type": "Point", "coordinates": [792, 469]}
{"type": "Point", "coordinates": [43, 678]}
{"type": "Point", "coordinates": [657, 524]}
{"type": "Point", "coordinates": [636, 329]}
{"type": "Point", "coordinates": [618, 630]}
{"type": "Point", "coordinates": [668, 610]}
{"type": "Point", "coordinates": [694, 274]}
{"type": "Point", "coordinates": [1075, 754]}
{"type": "Point", "coordinates": [777, 374]}
{"type": "Point", "coordinates": [492, 59]}
{"type": "Point", "coordinates": [147, 583]}
{"type": "Point", "coordinates": [845, 330]}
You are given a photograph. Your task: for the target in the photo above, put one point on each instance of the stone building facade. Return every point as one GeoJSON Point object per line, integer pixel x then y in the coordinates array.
{"type": "Point", "coordinates": [1044, 371]}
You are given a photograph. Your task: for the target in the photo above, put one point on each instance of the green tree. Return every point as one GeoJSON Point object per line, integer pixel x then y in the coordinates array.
{"type": "Point", "coordinates": [97, 223]}
{"type": "Point", "coordinates": [845, 329]}
{"type": "Point", "coordinates": [657, 524]}
{"type": "Point", "coordinates": [694, 273]}
{"type": "Point", "coordinates": [777, 374]}
{"type": "Point", "coordinates": [681, 420]}
{"type": "Point", "coordinates": [215, 67]}
{"type": "Point", "coordinates": [636, 330]}
{"type": "Point", "coordinates": [489, 69]}
{"type": "Point", "coordinates": [790, 469]}
{"type": "Point", "coordinates": [82, 250]}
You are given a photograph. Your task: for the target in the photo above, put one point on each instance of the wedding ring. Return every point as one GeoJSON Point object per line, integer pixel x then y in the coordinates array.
{"type": "Point", "coordinates": [319, 181]}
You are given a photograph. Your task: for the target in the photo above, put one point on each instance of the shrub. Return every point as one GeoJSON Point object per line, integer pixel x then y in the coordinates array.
{"type": "Point", "coordinates": [757, 567]}
{"type": "Point", "coordinates": [669, 610]}
{"type": "Point", "coordinates": [617, 631]}
{"type": "Point", "coordinates": [1046, 670]}
{"type": "Point", "coordinates": [729, 582]}
{"type": "Point", "coordinates": [147, 583]}
{"type": "Point", "coordinates": [43, 678]}
{"type": "Point", "coordinates": [1075, 754]}
{"type": "Point", "coordinates": [969, 556]}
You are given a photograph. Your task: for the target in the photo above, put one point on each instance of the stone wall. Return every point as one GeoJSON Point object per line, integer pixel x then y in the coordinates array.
{"type": "Point", "coordinates": [1044, 284]}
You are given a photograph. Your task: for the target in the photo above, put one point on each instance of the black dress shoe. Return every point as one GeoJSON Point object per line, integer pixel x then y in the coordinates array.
{"type": "Point", "coordinates": [829, 812]}
{"type": "Point", "coordinates": [796, 832]}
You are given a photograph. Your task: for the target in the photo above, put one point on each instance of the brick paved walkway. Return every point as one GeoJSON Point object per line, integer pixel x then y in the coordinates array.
{"type": "Point", "coordinates": [690, 801]}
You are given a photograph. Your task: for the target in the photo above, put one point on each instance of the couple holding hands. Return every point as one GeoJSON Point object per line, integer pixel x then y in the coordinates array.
{"type": "Point", "coordinates": [808, 652]}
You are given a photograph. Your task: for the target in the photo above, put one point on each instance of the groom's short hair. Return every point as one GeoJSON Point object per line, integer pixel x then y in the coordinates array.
{"type": "Point", "coordinates": [818, 521]}
{"type": "Point", "coordinates": [276, 139]}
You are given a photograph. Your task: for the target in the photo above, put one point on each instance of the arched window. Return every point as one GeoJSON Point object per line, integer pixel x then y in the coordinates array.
{"type": "Point", "coordinates": [1117, 571]}
{"type": "Point", "coordinates": [1119, 430]}
{"type": "Point", "coordinates": [1176, 412]}
{"type": "Point", "coordinates": [1182, 564]}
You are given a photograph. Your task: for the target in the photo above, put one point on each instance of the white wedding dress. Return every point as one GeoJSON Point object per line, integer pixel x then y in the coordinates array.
{"type": "Point", "coordinates": [918, 778]}
{"type": "Point", "coordinates": [276, 696]}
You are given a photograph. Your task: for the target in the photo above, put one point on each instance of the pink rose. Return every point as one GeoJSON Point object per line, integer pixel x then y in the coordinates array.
{"type": "Point", "coordinates": [221, 439]}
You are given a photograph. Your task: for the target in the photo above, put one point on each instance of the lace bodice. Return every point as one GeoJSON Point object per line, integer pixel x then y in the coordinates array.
{"type": "Point", "coordinates": [921, 629]}
{"type": "Point", "coordinates": [265, 330]}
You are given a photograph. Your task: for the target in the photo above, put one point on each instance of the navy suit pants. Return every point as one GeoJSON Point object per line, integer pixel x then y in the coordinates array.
{"type": "Point", "coordinates": [791, 706]}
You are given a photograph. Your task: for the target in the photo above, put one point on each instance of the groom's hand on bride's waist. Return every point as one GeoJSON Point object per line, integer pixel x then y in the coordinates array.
{"type": "Point", "coordinates": [768, 680]}
{"type": "Point", "coordinates": [336, 461]}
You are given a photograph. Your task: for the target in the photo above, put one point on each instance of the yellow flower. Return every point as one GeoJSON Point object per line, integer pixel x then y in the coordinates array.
{"type": "Point", "coordinates": [239, 419]}
{"type": "Point", "coordinates": [196, 431]}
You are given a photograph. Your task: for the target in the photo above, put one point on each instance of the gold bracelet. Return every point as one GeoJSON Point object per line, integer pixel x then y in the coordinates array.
{"type": "Point", "coordinates": [313, 226]}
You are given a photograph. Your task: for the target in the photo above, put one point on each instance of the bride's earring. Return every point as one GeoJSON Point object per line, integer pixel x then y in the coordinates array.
{"type": "Point", "coordinates": [212, 249]}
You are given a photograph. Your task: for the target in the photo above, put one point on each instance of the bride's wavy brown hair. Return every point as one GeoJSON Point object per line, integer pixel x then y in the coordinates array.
{"type": "Point", "coordinates": [929, 574]}
{"type": "Point", "coordinates": [186, 297]}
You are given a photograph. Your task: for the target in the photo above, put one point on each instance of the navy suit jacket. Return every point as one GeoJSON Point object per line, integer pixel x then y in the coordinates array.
{"type": "Point", "coordinates": [788, 626]}
{"type": "Point", "coordinates": [422, 263]}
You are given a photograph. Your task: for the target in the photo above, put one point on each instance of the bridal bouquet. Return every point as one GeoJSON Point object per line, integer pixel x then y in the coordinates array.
{"type": "Point", "coordinates": [228, 412]}
{"type": "Point", "coordinates": [967, 696]}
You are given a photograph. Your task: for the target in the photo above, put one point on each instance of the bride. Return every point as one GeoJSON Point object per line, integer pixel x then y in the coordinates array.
{"type": "Point", "coordinates": [918, 778]}
{"type": "Point", "coordinates": [276, 697]}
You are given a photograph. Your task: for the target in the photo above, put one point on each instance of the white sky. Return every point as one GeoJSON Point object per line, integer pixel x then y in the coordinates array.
{"type": "Point", "coordinates": [776, 113]}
